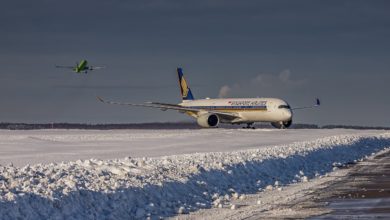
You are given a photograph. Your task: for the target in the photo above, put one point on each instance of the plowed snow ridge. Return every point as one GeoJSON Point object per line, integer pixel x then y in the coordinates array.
{"type": "Point", "coordinates": [166, 186]}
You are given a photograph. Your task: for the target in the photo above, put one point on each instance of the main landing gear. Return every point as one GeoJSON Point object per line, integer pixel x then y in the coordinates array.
{"type": "Point", "coordinates": [249, 126]}
{"type": "Point", "coordinates": [282, 124]}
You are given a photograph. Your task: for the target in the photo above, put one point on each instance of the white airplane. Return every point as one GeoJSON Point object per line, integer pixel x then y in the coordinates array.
{"type": "Point", "coordinates": [210, 112]}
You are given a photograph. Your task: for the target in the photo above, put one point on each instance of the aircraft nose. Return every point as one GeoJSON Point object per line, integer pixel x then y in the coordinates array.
{"type": "Point", "coordinates": [288, 114]}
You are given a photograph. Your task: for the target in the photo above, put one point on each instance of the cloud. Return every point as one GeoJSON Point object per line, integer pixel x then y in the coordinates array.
{"type": "Point", "coordinates": [264, 81]}
{"type": "Point", "coordinates": [224, 91]}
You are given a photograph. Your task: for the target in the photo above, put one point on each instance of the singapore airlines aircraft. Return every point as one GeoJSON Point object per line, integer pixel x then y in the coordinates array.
{"type": "Point", "coordinates": [210, 112]}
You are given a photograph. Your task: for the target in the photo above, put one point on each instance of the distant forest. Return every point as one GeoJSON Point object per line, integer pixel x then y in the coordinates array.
{"type": "Point", "coordinates": [161, 125]}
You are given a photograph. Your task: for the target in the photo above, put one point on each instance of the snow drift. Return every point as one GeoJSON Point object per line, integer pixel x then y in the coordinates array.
{"type": "Point", "coordinates": [166, 186]}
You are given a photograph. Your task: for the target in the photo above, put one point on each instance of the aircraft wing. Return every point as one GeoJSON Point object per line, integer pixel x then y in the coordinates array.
{"type": "Point", "coordinates": [226, 115]}
{"type": "Point", "coordinates": [96, 67]}
{"type": "Point", "coordinates": [67, 67]}
{"type": "Point", "coordinates": [318, 103]}
{"type": "Point", "coordinates": [166, 106]}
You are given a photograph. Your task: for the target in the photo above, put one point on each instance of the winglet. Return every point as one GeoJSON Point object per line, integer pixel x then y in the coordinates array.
{"type": "Point", "coordinates": [318, 103]}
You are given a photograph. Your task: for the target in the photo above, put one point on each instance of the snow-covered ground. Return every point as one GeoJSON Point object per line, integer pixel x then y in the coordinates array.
{"type": "Point", "coordinates": [46, 146]}
{"type": "Point", "coordinates": [158, 173]}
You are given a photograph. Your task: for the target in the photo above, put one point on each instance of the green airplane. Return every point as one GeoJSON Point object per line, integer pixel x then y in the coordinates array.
{"type": "Point", "coordinates": [81, 67]}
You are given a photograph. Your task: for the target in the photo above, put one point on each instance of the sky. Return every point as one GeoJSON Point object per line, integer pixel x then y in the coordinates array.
{"type": "Point", "coordinates": [336, 50]}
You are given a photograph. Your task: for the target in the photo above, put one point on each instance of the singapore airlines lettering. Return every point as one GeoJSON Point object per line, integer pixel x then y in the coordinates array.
{"type": "Point", "coordinates": [210, 113]}
{"type": "Point", "coordinates": [249, 103]}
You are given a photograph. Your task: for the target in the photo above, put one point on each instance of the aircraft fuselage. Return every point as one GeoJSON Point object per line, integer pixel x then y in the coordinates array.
{"type": "Point", "coordinates": [249, 109]}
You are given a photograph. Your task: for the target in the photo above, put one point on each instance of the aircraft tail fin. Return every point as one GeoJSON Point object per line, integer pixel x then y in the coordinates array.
{"type": "Point", "coordinates": [185, 90]}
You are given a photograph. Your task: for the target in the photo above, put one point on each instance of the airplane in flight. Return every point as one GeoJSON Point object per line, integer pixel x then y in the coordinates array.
{"type": "Point", "coordinates": [81, 67]}
{"type": "Point", "coordinates": [209, 113]}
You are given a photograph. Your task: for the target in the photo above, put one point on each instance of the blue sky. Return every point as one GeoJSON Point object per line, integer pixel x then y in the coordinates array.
{"type": "Point", "coordinates": [296, 50]}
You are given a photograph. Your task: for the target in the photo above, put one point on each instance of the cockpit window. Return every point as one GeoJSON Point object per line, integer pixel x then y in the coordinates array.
{"type": "Point", "coordinates": [284, 106]}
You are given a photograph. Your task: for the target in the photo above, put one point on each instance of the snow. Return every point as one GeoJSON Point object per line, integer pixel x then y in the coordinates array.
{"type": "Point", "coordinates": [164, 177]}
{"type": "Point", "coordinates": [47, 146]}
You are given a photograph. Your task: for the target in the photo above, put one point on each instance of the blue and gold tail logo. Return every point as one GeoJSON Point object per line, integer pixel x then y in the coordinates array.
{"type": "Point", "coordinates": [186, 93]}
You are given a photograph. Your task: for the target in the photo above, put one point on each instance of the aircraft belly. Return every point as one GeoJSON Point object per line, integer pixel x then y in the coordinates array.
{"type": "Point", "coordinates": [244, 116]}
{"type": "Point", "coordinates": [259, 116]}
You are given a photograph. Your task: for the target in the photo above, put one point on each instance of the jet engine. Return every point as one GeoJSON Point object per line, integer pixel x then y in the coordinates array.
{"type": "Point", "coordinates": [282, 124]}
{"type": "Point", "coordinates": [208, 120]}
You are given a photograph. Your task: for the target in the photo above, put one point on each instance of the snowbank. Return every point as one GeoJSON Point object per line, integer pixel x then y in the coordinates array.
{"type": "Point", "coordinates": [167, 186]}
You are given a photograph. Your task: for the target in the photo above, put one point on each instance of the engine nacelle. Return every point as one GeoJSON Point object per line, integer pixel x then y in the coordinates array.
{"type": "Point", "coordinates": [208, 120]}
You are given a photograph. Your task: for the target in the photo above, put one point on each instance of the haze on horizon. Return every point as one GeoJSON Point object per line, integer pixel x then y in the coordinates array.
{"type": "Point", "coordinates": [295, 50]}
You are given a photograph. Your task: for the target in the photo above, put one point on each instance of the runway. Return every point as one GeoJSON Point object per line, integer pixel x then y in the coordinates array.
{"type": "Point", "coordinates": [363, 193]}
